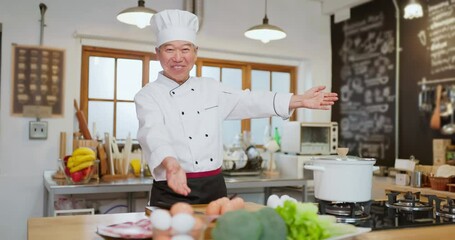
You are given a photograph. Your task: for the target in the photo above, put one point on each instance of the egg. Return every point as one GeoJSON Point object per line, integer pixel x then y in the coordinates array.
{"type": "Point", "coordinates": [182, 223]}
{"type": "Point", "coordinates": [162, 237]}
{"type": "Point", "coordinates": [161, 219]}
{"type": "Point", "coordinates": [222, 201]}
{"type": "Point", "coordinates": [182, 237]}
{"type": "Point", "coordinates": [273, 201]}
{"type": "Point", "coordinates": [227, 207]}
{"type": "Point", "coordinates": [286, 197]}
{"type": "Point", "coordinates": [198, 229]}
{"type": "Point", "coordinates": [181, 207]}
{"type": "Point", "coordinates": [238, 203]}
{"type": "Point", "coordinates": [214, 208]}
{"type": "Point", "coordinates": [198, 224]}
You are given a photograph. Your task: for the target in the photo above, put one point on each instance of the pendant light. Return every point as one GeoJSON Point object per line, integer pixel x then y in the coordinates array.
{"type": "Point", "coordinates": [139, 16]}
{"type": "Point", "coordinates": [265, 32]}
{"type": "Point", "coordinates": [413, 10]}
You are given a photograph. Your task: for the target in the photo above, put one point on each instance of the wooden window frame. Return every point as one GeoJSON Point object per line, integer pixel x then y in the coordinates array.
{"type": "Point", "coordinates": [89, 51]}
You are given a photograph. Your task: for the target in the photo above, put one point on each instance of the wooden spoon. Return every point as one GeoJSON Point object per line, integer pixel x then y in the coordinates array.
{"type": "Point", "coordinates": [435, 121]}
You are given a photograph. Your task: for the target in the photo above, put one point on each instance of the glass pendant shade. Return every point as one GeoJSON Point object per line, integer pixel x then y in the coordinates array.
{"type": "Point", "coordinates": [413, 10]}
{"type": "Point", "coordinates": [265, 32]}
{"type": "Point", "coordinates": [139, 16]}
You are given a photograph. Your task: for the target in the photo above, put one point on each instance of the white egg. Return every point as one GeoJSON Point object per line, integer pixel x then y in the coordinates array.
{"type": "Point", "coordinates": [273, 201]}
{"type": "Point", "coordinates": [182, 223]}
{"type": "Point", "coordinates": [286, 197]}
{"type": "Point", "coordinates": [182, 237]}
{"type": "Point", "coordinates": [161, 219]}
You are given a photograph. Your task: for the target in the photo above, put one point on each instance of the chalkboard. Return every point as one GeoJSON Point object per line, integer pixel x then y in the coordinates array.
{"type": "Point", "coordinates": [439, 38]}
{"type": "Point", "coordinates": [428, 50]}
{"type": "Point", "coordinates": [363, 71]}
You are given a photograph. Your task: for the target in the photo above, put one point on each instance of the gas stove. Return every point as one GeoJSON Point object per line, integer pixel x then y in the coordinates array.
{"type": "Point", "coordinates": [398, 211]}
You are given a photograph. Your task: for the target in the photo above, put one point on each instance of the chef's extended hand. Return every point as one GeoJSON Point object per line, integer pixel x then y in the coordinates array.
{"type": "Point", "coordinates": [176, 176]}
{"type": "Point", "coordinates": [314, 98]}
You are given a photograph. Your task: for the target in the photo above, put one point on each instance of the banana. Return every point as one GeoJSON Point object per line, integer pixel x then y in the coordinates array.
{"type": "Point", "coordinates": [81, 159]}
{"type": "Point", "coordinates": [81, 166]}
{"type": "Point", "coordinates": [83, 151]}
{"type": "Point", "coordinates": [70, 162]}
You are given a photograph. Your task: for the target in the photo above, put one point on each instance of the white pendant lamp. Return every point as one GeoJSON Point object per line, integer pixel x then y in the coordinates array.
{"type": "Point", "coordinates": [413, 10]}
{"type": "Point", "coordinates": [139, 16]}
{"type": "Point", "coordinates": [265, 32]}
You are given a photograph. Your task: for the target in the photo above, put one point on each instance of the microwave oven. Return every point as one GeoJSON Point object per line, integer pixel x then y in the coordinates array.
{"type": "Point", "coordinates": [309, 138]}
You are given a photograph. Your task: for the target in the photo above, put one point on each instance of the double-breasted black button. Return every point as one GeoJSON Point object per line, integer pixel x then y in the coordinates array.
{"type": "Point", "coordinates": [197, 112]}
{"type": "Point", "coordinates": [190, 137]}
{"type": "Point", "coordinates": [197, 162]}
{"type": "Point", "coordinates": [173, 92]}
{"type": "Point", "coordinates": [183, 113]}
{"type": "Point", "coordinates": [211, 159]}
{"type": "Point", "coordinates": [192, 89]}
{"type": "Point", "coordinates": [206, 135]}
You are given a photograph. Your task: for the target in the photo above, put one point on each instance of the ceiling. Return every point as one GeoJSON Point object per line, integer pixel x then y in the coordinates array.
{"type": "Point", "coordinates": [332, 6]}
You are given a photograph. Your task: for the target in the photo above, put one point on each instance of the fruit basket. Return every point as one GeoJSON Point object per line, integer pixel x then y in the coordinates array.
{"type": "Point", "coordinates": [440, 183]}
{"type": "Point", "coordinates": [79, 167]}
{"type": "Point", "coordinates": [78, 177]}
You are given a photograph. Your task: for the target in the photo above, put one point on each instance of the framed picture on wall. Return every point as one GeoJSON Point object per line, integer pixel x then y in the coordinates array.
{"type": "Point", "coordinates": [37, 81]}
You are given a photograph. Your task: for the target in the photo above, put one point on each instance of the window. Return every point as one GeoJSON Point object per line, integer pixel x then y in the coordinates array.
{"type": "Point", "coordinates": [111, 78]}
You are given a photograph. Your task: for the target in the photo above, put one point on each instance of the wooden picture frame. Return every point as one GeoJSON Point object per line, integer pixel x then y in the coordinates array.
{"type": "Point", "coordinates": [37, 81]}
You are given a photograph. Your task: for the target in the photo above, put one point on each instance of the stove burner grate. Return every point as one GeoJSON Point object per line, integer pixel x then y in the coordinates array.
{"type": "Point", "coordinates": [346, 212]}
{"type": "Point", "coordinates": [447, 211]}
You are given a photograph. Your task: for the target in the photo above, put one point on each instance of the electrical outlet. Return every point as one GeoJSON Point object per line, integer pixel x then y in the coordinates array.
{"type": "Point", "coordinates": [37, 130]}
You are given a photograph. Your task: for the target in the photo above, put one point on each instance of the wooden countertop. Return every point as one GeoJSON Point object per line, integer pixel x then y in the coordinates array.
{"type": "Point", "coordinates": [426, 190]}
{"type": "Point", "coordinates": [445, 232]}
{"type": "Point", "coordinates": [85, 226]}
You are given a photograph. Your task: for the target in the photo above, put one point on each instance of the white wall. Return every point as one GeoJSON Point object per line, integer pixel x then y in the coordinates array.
{"type": "Point", "coordinates": [22, 161]}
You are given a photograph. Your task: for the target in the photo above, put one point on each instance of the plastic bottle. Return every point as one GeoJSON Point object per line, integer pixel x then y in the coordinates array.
{"type": "Point", "coordinates": [277, 136]}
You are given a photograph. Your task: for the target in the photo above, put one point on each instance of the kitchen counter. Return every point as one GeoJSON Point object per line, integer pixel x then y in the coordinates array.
{"type": "Point", "coordinates": [84, 227]}
{"type": "Point", "coordinates": [56, 187]}
{"type": "Point", "coordinates": [426, 190]}
{"type": "Point", "coordinates": [445, 232]}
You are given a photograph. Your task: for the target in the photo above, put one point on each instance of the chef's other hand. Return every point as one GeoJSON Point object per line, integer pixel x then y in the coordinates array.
{"type": "Point", "coordinates": [176, 176]}
{"type": "Point", "coordinates": [314, 98]}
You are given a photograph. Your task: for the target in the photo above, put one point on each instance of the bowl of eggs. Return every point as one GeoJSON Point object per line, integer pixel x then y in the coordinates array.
{"type": "Point", "coordinates": [179, 223]}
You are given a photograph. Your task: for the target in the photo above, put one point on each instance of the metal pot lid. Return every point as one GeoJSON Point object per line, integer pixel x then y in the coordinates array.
{"type": "Point", "coordinates": [342, 158]}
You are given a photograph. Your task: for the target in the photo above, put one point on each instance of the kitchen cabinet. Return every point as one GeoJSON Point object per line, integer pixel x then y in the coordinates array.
{"type": "Point", "coordinates": [132, 185]}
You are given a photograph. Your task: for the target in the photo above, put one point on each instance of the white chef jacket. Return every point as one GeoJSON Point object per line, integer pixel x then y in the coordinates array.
{"type": "Point", "coordinates": [185, 121]}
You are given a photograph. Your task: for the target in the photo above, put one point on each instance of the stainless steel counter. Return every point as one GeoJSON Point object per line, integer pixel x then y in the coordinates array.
{"type": "Point", "coordinates": [59, 187]}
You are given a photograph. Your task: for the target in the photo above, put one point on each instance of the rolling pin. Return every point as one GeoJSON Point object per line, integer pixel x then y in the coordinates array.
{"type": "Point", "coordinates": [82, 122]}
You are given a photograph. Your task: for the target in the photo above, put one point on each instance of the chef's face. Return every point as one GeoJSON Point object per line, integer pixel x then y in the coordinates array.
{"type": "Point", "coordinates": [177, 59]}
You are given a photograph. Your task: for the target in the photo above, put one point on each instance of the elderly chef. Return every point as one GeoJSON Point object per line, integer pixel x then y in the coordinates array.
{"type": "Point", "coordinates": [180, 117]}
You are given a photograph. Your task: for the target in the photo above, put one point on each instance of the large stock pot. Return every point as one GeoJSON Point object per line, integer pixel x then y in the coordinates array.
{"type": "Point", "coordinates": [342, 178]}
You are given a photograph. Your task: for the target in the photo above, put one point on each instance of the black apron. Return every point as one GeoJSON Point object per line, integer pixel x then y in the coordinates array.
{"type": "Point", "coordinates": [203, 190]}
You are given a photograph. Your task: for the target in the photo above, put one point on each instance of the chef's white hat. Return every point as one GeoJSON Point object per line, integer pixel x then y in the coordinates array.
{"type": "Point", "coordinates": [170, 25]}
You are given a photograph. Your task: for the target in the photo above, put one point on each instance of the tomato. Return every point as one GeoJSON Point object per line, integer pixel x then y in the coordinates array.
{"type": "Point", "coordinates": [87, 171]}
{"type": "Point", "coordinates": [67, 171]}
{"type": "Point", "coordinates": [77, 176]}
{"type": "Point", "coordinates": [65, 159]}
